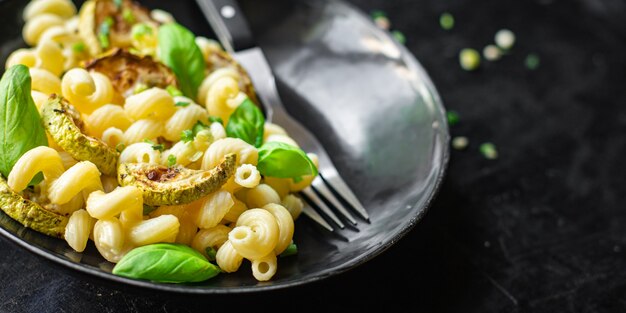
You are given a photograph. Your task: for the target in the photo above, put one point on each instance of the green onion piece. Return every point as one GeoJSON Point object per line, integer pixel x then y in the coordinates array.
{"type": "Point", "coordinates": [488, 150]}
{"type": "Point", "coordinates": [171, 160]}
{"type": "Point", "coordinates": [147, 209]}
{"type": "Point", "coordinates": [446, 21]}
{"type": "Point", "coordinates": [290, 250]}
{"type": "Point", "coordinates": [173, 91]}
{"type": "Point", "coordinates": [377, 14]}
{"type": "Point", "coordinates": [140, 30]}
{"type": "Point", "coordinates": [210, 252]}
{"type": "Point", "coordinates": [469, 59]}
{"type": "Point", "coordinates": [120, 147]}
{"type": "Point", "coordinates": [128, 16]}
{"type": "Point", "coordinates": [453, 118]}
{"type": "Point", "coordinates": [104, 41]}
{"type": "Point", "coordinates": [118, 3]}
{"type": "Point", "coordinates": [146, 140]}
{"type": "Point", "coordinates": [460, 142]}
{"type": "Point", "coordinates": [187, 135]}
{"type": "Point", "coordinates": [532, 61]}
{"type": "Point", "coordinates": [139, 88]}
{"type": "Point", "coordinates": [213, 119]}
{"type": "Point", "coordinates": [159, 147]}
{"type": "Point", "coordinates": [182, 104]}
{"type": "Point", "coordinates": [399, 36]}
{"type": "Point", "coordinates": [78, 47]}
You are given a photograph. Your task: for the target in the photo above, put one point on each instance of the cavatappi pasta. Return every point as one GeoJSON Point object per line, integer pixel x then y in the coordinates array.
{"type": "Point", "coordinates": [248, 217]}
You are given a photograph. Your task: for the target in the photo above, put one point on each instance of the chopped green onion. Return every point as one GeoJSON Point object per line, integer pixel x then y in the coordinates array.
{"type": "Point", "coordinates": [78, 47]}
{"type": "Point", "coordinates": [453, 118]}
{"type": "Point", "coordinates": [460, 142]}
{"type": "Point", "coordinates": [532, 61]}
{"type": "Point", "coordinates": [171, 160]}
{"type": "Point", "coordinates": [146, 140]}
{"type": "Point", "coordinates": [105, 30]}
{"type": "Point", "coordinates": [104, 41]}
{"type": "Point", "coordinates": [488, 150]}
{"type": "Point", "coordinates": [120, 147]}
{"type": "Point", "coordinates": [213, 119]}
{"type": "Point", "coordinates": [173, 91]}
{"type": "Point", "coordinates": [182, 104]}
{"type": "Point", "coordinates": [118, 3]}
{"type": "Point", "coordinates": [377, 14]}
{"type": "Point", "coordinates": [187, 135]}
{"type": "Point", "coordinates": [211, 253]}
{"type": "Point", "coordinates": [148, 209]}
{"type": "Point", "coordinates": [159, 147]}
{"type": "Point", "coordinates": [446, 21]}
{"type": "Point", "coordinates": [469, 59]}
{"type": "Point", "coordinates": [140, 88]}
{"type": "Point", "coordinates": [290, 250]}
{"type": "Point", "coordinates": [505, 39]}
{"type": "Point", "coordinates": [128, 16]}
{"type": "Point", "coordinates": [140, 30]}
{"type": "Point", "coordinates": [399, 36]}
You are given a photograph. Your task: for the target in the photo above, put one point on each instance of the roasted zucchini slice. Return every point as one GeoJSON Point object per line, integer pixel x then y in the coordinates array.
{"type": "Point", "coordinates": [106, 24]}
{"type": "Point", "coordinates": [175, 185]}
{"type": "Point", "coordinates": [128, 72]}
{"type": "Point", "coordinates": [29, 213]}
{"type": "Point", "coordinates": [64, 125]}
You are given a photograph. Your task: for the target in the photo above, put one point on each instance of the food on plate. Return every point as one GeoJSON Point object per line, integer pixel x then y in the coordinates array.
{"type": "Point", "coordinates": [124, 130]}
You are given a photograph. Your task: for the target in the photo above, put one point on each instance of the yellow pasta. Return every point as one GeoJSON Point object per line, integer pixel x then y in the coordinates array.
{"type": "Point", "coordinates": [263, 269]}
{"type": "Point", "coordinates": [255, 235]}
{"type": "Point", "coordinates": [22, 56]}
{"type": "Point", "coordinates": [61, 8]}
{"type": "Point", "coordinates": [113, 136]}
{"type": "Point", "coordinates": [261, 195]}
{"type": "Point", "coordinates": [108, 238]}
{"type": "Point", "coordinates": [246, 153]}
{"type": "Point", "coordinates": [307, 179]}
{"type": "Point", "coordinates": [285, 226]}
{"type": "Point", "coordinates": [154, 103]}
{"type": "Point", "coordinates": [213, 237]}
{"type": "Point", "coordinates": [143, 129]}
{"type": "Point", "coordinates": [36, 25]}
{"type": "Point", "coordinates": [39, 159]}
{"type": "Point", "coordinates": [247, 175]}
{"type": "Point", "coordinates": [141, 152]}
{"type": "Point", "coordinates": [216, 75]}
{"type": "Point", "coordinates": [104, 205]}
{"type": "Point", "coordinates": [224, 97]}
{"type": "Point", "coordinates": [281, 185]}
{"type": "Point", "coordinates": [106, 116]}
{"type": "Point", "coordinates": [86, 91]}
{"type": "Point", "coordinates": [227, 258]}
{"type": "Point", "coordinates": [293, 204]}
{"type": "Point", "coordinates": [50, 57]}
{"type": "Point", "coordinates": [163, 228]}
{"type": "Point", "coordinates": [82, 177]}
{"type": "Point", "coordinates": [78, 229]}
{"type": "Point", "coordinates": [44, 81]}
{"type": "Point", "coordinates": [182, 119]}
{"type": "Point", "coordinates": [212, 208]}
{"type": "Point", "coordinates": [109, 183]}
{"type": "Point", "coordinates": [235, 211]}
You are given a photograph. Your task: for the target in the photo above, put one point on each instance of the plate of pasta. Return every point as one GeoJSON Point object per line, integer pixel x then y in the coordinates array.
{"type": "Point", "coordinates": [134, 148]}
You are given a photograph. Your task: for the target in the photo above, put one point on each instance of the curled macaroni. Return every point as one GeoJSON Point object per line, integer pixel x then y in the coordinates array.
{"type": "Point", "coordinates": [87, 91]}
{"type": "Point", "coordinates": [255, 235]}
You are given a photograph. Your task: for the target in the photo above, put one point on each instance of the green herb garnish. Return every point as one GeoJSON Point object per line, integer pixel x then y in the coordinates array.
{"type": "Point", "coordinates": [277, 159]}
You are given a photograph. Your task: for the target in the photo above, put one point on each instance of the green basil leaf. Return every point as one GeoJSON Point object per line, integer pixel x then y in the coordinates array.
{"type": "Point", "coordinates": [167, 263]}
{"type": "Point", "coordinates": [277, 159]}
{"type": "Point", "coordinates": [247, 123]}
{"type": "Point", "coordinates": [20, 123]}
{"type": "Point", "coordinates": [178, 50]}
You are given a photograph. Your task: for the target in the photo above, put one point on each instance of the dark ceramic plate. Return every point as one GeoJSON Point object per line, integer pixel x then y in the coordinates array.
{"type": "Point", "coordinates": [372, 105]}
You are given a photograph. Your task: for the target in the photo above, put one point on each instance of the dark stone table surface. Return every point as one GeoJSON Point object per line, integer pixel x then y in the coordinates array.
{"type": "Point", "coordinates": [542, 228]}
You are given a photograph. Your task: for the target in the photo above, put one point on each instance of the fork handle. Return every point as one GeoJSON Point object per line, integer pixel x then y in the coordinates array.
{"type": "Point", "coordinates": [229, 23]}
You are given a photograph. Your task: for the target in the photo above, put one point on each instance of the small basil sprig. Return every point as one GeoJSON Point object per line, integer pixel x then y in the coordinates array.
{"type": "Point", "coordinates": [166, 263]}
{"type": "Point", "coordinates": [277, 159]}
{"type": "Point", "coordinates": [246, 123]}
{"type": "Point", "coordinates": [178, 50]}
{"type": "Point", "coordinates": [20, 123]}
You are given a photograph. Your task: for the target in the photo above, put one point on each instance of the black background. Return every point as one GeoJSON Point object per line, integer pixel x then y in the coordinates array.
{"type": "Point", "coordinates": [542, 228]}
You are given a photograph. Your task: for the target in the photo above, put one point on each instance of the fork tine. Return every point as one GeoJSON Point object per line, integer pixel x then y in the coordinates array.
{"type": "Point", "coordinates": [332, 178]}
{"type": "Point", "coordinates": [312, 197]}
{"type": "Point", "coordinates": [316, 217]}
{"type": "Point", "coordinates": [319, 185]}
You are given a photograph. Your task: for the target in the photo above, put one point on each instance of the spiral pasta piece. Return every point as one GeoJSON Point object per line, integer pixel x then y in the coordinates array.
{"type": "Point", "coordinates": [86, 91]}
{"type": "Point", "coordinates": [227, 258]}
{"type": "Point", "coordinates": [39, 159]}
{"type": "Point", "coordinates": [263, 269]}
{"type": "Point", "coordinates": [144, 129]}
{"type": "Point", "coordinates": [36, 25]}
{"type": "Point", "coordinates": [285, 226]}
{"type": "Point", "coordinates": [140, 152]}
{"type": "Point", "coordinates": [255, 235]}
{"type": "Point", "coordinates": [224, 97]}
{"type": "Point", "coordinates": [109, 239]}
{"type": "Point", "coordinates": [62, 8]}
{"type": "Point", "coordinates": [153, 103]}
{"type": "Point", "coordinates": [44, 81]}
{"type": "Point", "coordinates": [212, 208]}
{"type": "Point", "coordinates": [213, 237]}
{"type": "Point", "coordinates": [106, 116]}
{"type": "Point", "coordinates": [104, 205]}
{"type": "Point", "coordinates": [82, 177]}
{"type": "Point", "coordinates": [183, 119]}
{"type": "Point", "coordinates": [246, 153]}
{"type": "Point", "coordinates": [78, 229]}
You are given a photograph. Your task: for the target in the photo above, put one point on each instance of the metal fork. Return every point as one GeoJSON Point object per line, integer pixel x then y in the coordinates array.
{"type": "Point", "coordinates": [328, 191]}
